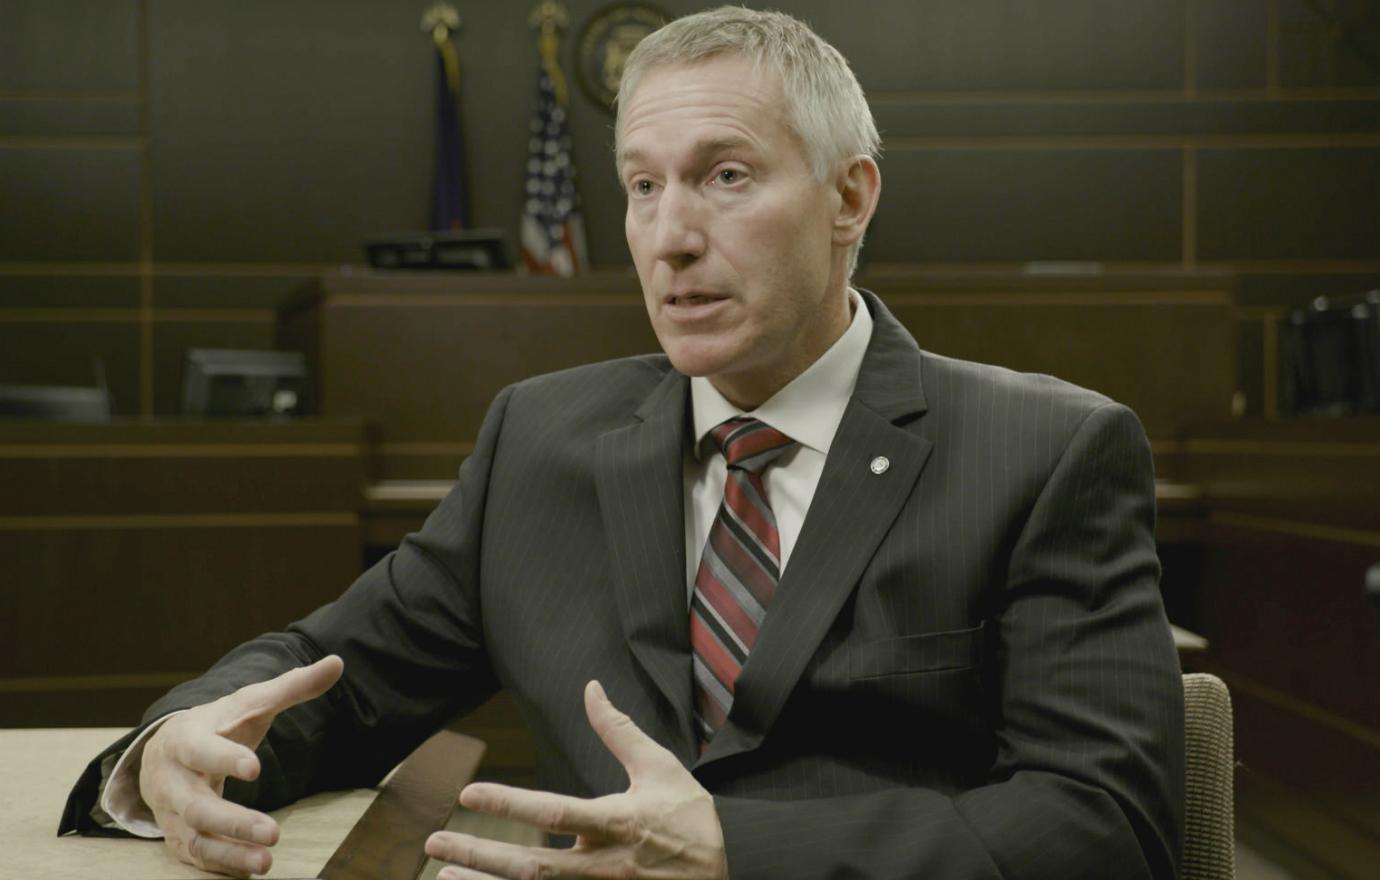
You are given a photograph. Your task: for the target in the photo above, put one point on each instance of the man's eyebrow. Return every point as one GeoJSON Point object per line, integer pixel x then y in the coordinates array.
{"type": "Point", "coordinates": [698, 151]}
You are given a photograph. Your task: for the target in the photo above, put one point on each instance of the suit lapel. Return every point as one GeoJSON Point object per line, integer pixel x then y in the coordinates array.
{"type": "Point", "coordinates": [852, 510]}
{"type": "Point", "coordinates": [639, 474]}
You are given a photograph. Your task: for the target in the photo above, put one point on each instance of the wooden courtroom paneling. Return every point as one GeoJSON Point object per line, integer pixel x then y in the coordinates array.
{"type": "Point", "coordinates": [69, 203]}
{"type": "Point", "coordinates": [1292, 528]}
{"type": "Point", "coordinates": [185, 141]}
{"type": "Point", "coordinates": [1029, 205]}
{"type": "Point", "coordinates": [69, 45]}
{"type": "Point", "coordinates": [1313, 51]}
{"type": "Point", "coordinates": [1232, 42]}
{"type": "Point", "coordinates": [422, 356]}
{"type": "Point", "coordinates": [1282, 203]}
{"type": "Point", "coordinates": [133, 554]}
{"type": "Point", "coordinates": [1114, 341]}
{"type": "Point", "coordinates": [55, 116]}
{"type": "Point", "coordinates": [1308, 470]}
{"type": "Point", "coordinates": [995, 45]}
{"type": "Point", "coordinates": [78, 290]}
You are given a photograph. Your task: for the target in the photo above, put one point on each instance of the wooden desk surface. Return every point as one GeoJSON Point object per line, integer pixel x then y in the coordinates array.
{"type": "Point", "coordinates": [39, 766]}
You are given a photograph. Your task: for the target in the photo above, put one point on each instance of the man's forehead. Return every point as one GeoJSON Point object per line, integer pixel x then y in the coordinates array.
{"type": "Point", "coordinates": [706, 146]}
{"type": "Point", "coordinates": [728, 93]}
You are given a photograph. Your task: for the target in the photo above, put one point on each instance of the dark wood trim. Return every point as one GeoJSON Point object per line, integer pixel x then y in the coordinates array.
{"type": "Point", "coordinates": [73, 141]}
{"type": "Point", "coordinates": [1363, 537]}
{"type": "Point", "coordinates": [174, 521]}
{"type": "Point", "coordinates": [1275, 141]}
{"type": "Point", "coordinates": [139, 315]}
{"type": "Point", "coordinates": [1117, 96]}
{"type": "Point", "coordinates": [52, 683]}
{"type": "Point", "coordinates": [183, 450]}
{"type": "Point", "coordinates": [96, 96]}
{"type": "Point", "coordinates": [1189, 207]}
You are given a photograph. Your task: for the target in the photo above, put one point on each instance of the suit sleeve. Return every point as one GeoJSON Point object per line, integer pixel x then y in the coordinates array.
{"type": "Point", "coordinates": [410, 634]}
{"type": "Point", "coordinates": [1088, 777]}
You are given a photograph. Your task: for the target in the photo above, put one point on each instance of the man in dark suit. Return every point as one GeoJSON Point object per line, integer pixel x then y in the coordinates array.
{"type": "Point", "coordinates": [864, 611]}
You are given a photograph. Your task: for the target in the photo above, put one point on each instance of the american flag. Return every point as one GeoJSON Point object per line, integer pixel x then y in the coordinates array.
{"type": "Point", "coordinates": [553, 236]}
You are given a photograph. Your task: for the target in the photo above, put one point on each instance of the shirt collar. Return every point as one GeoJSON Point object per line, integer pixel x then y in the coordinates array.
{"type": "Point", "coordinates": [810, 407]}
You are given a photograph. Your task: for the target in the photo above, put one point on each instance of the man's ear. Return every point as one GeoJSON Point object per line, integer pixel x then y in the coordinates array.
{"type": "Point", "coordinates": [859, 185]}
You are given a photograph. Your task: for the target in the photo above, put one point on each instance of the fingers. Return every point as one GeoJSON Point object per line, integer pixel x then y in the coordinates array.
{"type": "Point", "coordinates": [215, 756]}
{"type": "Point", "coordinates": [180, 777]}
{"type": "Point", "coordinates": [287, 690]}
{"type": "Point", "coordinates": [474, 857]}
{"type": "Point", "coordinates": [213, 815]}
{"type": "Point", "coordinates": [637, 752]}
{"type": "Point", "coordinates": [597, 819]}
{"type": "Point", "coordinates": [211, 853]}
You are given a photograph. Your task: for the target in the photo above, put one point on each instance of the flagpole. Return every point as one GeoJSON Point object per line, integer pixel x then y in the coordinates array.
{"type": "Point", "coordinates": [549, 18]}
{"type": "Point", "coordinates": [552, 232]}
{"type": "Point", "coordinates": [450, 203]}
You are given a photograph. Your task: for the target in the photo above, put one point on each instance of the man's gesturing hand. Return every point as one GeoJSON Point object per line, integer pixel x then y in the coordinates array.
{"type": "Point", "coordinates": [663, 826]}
{"type": "Point", "coordinates": [185, 762]}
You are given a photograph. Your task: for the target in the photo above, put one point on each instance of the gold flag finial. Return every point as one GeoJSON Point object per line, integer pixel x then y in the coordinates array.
{"type": "Point", "coordinates": [549, 15]}
{"type": "Point", "coordinates": [440, 20]}
{"type": "Point", "coordinates": [549, 18]}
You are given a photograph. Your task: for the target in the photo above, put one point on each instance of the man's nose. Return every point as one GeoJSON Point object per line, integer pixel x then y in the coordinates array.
{"type": "Point", "coordinates": [680, 237]}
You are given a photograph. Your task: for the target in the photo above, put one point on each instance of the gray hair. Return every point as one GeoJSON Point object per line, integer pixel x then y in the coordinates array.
{"type": "Point", "coordinates": [825, 106]}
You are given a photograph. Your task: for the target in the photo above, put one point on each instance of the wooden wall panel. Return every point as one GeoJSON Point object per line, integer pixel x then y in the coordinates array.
{"type": "Point", "coordinates": [68, 291]}
{"type": "Point", "coordinates": [422, 357]}
{"type": "Point", "coordinates": [996, 45]}
{"type": "Point", "coordinates": [69, 44]}
{"type": "Point", "coordinates": [167, 598]}
{"type": "Point", "coordinates": [1231, 38]}
{"type": "Point", "coordinates": [1292, 529]}
{"type": "Point", "coordinates": [1115, 348]}
{"type": "Point", "coordinates": [273, 138]}
{"type": "Point", "coordinates": [279, 102]}
{"type": "Point", "coordinates": [40, 115]}
{"type": "Point", "coordinates": [1328, 44]}
{"type": "Point", "coordinates": [238, 290]}
{"type": "Point", "coordinates": [1307, 630]}
{"type": "Point", "coordinates": [1085, 122]}
{"type": "Point", "coordinates": [1267, 204]}
{"type": "Point", "coordinates": [424, 369]}
{"type": "Point", "coordinates": [70, 203]}
{"type": "Point", "coordinates": [134, 554]}
{"type": "Point", "coordinates": [1287, 289]}
{"type": "Point", "coordinates": [1322, 471]}
{"type": "Point", "coordinates": [1018, 205]}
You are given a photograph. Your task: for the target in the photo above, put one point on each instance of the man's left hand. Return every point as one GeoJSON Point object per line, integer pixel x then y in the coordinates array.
{"type": "Point", "coordinates": [663, 826]}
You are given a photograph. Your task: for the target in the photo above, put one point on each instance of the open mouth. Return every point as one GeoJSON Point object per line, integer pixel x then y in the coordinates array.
{"type": "Point", "coordinates": [692, 298]}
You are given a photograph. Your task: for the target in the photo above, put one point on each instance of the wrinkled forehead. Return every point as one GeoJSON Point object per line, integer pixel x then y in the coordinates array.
{"type": "Point", "coordinates": [747, 72]}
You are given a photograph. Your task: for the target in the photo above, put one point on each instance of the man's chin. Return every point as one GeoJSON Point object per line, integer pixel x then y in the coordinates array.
{"type": "Point", "coordinates": [698, 362]}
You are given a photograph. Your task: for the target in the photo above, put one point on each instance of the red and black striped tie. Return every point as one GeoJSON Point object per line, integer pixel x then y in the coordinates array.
{"type": "Point", "coordinates": [738, 572]}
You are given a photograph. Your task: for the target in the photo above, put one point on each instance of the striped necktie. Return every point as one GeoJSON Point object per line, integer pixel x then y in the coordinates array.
{"type": "Point", "coordinates": [738, 572]}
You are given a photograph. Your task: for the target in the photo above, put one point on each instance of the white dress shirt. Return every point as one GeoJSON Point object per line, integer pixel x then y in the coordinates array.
{"type": "Point", "coordinates": [808, 410]}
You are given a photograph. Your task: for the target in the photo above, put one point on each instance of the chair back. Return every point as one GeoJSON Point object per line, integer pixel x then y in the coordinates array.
{"type": "Point", "coordinates": [1209, 821]}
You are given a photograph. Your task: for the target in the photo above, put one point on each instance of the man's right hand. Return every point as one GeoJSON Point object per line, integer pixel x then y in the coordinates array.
{"type": "Point", "coordinates": [186, 761]}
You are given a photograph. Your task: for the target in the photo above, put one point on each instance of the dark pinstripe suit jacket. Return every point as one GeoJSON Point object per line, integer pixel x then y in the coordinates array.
{"type": "Point", "coordinates": [966, 671]}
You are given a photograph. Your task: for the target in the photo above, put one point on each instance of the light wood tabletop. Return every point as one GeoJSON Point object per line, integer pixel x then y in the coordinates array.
{"type": "Point", "coordinates": [335, 834]}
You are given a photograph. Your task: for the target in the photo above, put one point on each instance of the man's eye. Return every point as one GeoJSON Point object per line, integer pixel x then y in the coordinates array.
{"type": "Point", "coordinates": [730, 176]}
{"type": "Point", "coordinates": [642, 187]}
